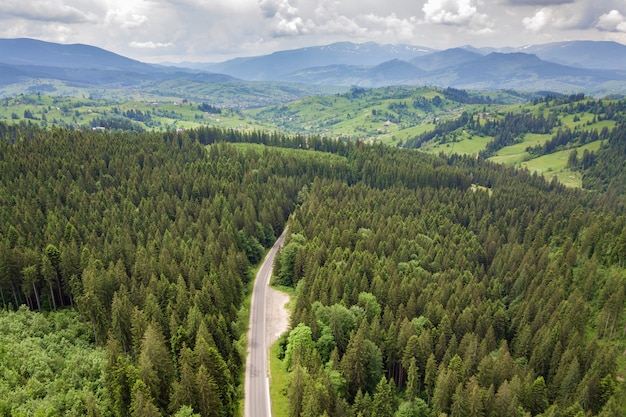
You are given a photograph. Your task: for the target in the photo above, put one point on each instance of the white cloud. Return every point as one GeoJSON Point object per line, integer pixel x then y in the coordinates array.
{"type": "Point", "coordinates": [288, 26]}
{"type": "Point", "coordinates": [331, 18]}
{"type": "Point", "coordinates": [454, 12]}
{"type": "Point", "coordinates": [538, 2]}
{"type": "Point", "coordinates": [130, 14]}
{"type": "Point", "coordinates": [150, 45]}
{"type": "Point", "coordinates": [540, 20]}
{"type": "Point", "coordinates": [125, 20]}
{"type": "Point", "coordinates": [554, 17]}
{"type": "Point", "coordinates": [285, 18]}
{"type": "Point", "coordinates": [390, 26]}
{"type": "Point", "coordinates": [463, 13]}
{"type": "Point", "coordinates": [269, 8]}
{"type": "Point", "coordinates": [612, 21]}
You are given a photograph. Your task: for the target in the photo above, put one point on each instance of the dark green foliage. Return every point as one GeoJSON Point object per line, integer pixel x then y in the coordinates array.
{"type": "Point", "coordinates": [502, 299]}
{"type": "Point", "coordinates": [604, 170]}
{"type": "Point", "coordinates": [493, 302]}
{"type": "Point", "coordinates": [209, 108]}
{"type": "Point", "coordinates": [150, 237]}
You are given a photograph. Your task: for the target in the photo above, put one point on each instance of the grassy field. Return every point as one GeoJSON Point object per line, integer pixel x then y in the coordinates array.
{"type": "Point", "coordinates": [165, 114]}
{"type": "Point", "coordinates": [465, 145]}
{"type": "Point", "coordinates": [555, 164]}
{"type": "Point", "coordinates": [388, 115]}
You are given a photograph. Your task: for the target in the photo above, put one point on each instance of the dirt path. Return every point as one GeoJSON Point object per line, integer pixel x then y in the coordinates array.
{"type": "Point", "coordinates": [277, 316]}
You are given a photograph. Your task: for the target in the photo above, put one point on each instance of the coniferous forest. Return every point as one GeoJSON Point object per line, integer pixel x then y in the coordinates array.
{"type": "Point", "coordinates": [425, 285]}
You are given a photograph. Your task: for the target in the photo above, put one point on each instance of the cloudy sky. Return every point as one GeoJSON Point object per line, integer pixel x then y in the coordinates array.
{"type": "Point", "coordinates": [214, 30]}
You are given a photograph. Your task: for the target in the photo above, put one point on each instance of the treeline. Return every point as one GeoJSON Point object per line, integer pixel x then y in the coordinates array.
{"type": "Point", "coordinates": [510, 127]}
{"type": "Point", "coordinates": [605, 170]}
{"type": "Point", "coordinates": [417, 300]}
{"type": "Point", "coordinates": [566, 138]}
{"type": "Point", "coordinates": [120, 123]}
{"type": "Point", "coordinates": [505, 131]}
{"type": "Point", "coordinates": [462, 96]}
{"type": "Point", "coordinates": [209, 108]}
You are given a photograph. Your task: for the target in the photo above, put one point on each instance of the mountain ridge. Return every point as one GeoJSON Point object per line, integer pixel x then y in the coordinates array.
{"type": "Point", "coordinates": [596, 68]}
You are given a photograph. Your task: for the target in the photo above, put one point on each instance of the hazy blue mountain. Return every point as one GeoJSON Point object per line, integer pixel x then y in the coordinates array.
{"type": "Point", "coordinates": [445, 59]}
{"type": "Point", "coordinates": [281, 63]}
{"type": "Point", "coordinates": [397, 70]}
{"type": "Point", "coordinates": [584, 54]}
{"type": "Point", "coordinates": [565, 67]}
{"type": "Point", "coordinates": [9, 75]}
{"type": "Point", "coordinates": [39, 53]}
{"type": "Point", "coordinates": [394, 72]}
{"type": "Point", "coordinates": [464, 69]}
{"type": "Point", "coordinates": [526, 71]}
{"type": "Point", "coordinates": [84, 66]}
{"type": "Point", "coordinates": [341, 75]}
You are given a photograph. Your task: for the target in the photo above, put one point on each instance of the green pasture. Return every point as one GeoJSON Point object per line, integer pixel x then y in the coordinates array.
{"type": "Point", "coordinates": [555, 164]}
{"type": "Point", "coordinates": [165, 113]}
{"type": "Point", "coordinates": [516, 153]}
{"type": "Point", "coordinates": [464, 145]}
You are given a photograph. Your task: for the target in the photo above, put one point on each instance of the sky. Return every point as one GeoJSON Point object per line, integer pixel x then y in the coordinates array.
{"type": "Point", "coordinates": [216, 30]}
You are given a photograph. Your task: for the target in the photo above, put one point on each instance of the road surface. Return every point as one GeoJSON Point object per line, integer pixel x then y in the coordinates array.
{"type": "Point", "coordinates": [257, 390]}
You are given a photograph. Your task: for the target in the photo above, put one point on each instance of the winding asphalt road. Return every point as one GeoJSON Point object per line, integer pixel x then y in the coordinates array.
{"type": "Point", "coordinates": [257, 389]}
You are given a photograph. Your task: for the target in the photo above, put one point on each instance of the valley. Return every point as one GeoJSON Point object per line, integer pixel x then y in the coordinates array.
{"type": "Point", "coordinates": [394, 116]}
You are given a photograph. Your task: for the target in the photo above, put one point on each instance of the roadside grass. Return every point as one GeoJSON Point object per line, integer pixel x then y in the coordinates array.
{"type": "Point", "coordinates": [279, 377]}
{"type": "Point", "coordinates": [279, 383]}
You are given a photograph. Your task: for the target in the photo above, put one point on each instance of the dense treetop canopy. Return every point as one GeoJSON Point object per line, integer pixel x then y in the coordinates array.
{"type": "Point", "coordinates": [425, 284]}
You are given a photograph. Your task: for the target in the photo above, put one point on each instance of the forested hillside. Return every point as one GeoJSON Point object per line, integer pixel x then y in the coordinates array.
{"type": "Point", "coordinates": [150, 238]}
{"type": "Point", "coordinates": [505, 298]}
{"type": "Point", "coordinates": [426, 285]}
{"type": "Point", "coordinates": [605, 170]}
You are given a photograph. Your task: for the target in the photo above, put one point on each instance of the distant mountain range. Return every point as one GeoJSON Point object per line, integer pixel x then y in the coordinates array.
{"type": "Point", "coordinates": [597, 68]}
{"type": "Point", "coordinates": [593, 67]}
{"type": "Point", "coordinates": [80, 65]}
{"type": "Point", "coordinates": [282, 63]}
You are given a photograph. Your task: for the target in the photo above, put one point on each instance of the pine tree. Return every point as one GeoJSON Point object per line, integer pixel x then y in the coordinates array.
{"type": "Point", "coordinates": [383, 402]}
{"type": "Point", "coordinates": [208, 400]}
{"type": "Point", "coordinates": [413, 381]}
{"type": "Point", "coordinates": [155, 365]}
{"type": "Point", "coordinates": [142, 402]}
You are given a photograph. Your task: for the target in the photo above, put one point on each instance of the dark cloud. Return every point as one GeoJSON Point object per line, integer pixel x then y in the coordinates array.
{"type": "Point", "coordinates": [47, 11]}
